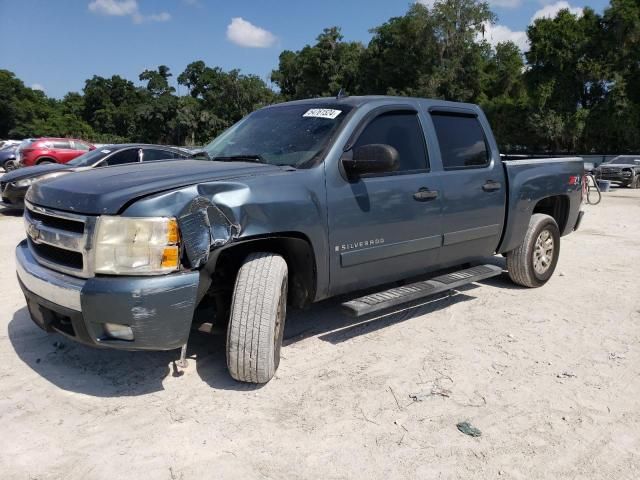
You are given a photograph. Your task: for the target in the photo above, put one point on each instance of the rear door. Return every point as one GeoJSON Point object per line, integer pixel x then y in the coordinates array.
{"type": "Point", "coordinates": [473, 186]}
{"type": "Point", "coordinates": [65, 150]}
{"type": "Point", "coordinates": [382, 227]}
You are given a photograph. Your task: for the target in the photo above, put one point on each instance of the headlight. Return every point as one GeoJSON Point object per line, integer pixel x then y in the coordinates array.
{"type": "Point", "coordinates": [29, 181]}
{"type": "Point", "coordinates": [24, 183]}
{"type": "Point", "coordinates": [136, 246]}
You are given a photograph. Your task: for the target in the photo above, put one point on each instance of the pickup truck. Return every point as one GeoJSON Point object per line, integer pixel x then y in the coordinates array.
{"type": "Point", "coordinates": [299, 202]}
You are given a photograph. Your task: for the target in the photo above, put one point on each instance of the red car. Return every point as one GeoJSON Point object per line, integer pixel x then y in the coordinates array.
{"type": "Point", "coordinates": [36, 151]}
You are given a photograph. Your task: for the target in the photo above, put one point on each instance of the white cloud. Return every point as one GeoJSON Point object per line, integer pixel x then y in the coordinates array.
{"type": "Point", "coordinates": [495, 34]}
{"type": "Point", "coordinates": [246, 34]}
{"type": "Point", "coordinates": [37, 86]}
{"type": "Point", "coordinates": [123, 8]}
{"type": "Point", "coordinates": [506, 3]}
{"type": "Point", "coordinates": [118, 8]}
{"type": "Point", "coordinates": [426, 3]}
{"type": "Point", "coordinates": [550, 11]}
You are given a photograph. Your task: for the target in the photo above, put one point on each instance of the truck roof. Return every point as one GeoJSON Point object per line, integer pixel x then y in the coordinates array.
{"type": "Point", "coordinates": [357, 101]}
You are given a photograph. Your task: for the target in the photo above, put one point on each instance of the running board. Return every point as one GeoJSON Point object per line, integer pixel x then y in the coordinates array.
{"type": "Point", "coordinates": [414, 291]}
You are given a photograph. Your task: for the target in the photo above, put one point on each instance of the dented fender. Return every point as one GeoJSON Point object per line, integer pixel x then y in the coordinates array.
{"type": "Point", "coordinates": [204, 226]}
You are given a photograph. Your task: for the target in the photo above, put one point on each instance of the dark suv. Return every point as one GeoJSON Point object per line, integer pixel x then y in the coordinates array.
{"type": "Point", "coordinates": [36, 151]}
{"type": "Point", "coordinates": [623, 169]}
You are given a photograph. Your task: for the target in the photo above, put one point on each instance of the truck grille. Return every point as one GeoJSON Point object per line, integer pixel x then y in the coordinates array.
{"type": "Point", "coordinates": [60, 240]}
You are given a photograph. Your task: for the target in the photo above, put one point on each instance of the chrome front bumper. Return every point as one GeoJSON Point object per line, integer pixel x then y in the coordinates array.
{"type": "Point", "coordinates": [159, 310]}
{"type": "Point", "coordinates": [61, 289]}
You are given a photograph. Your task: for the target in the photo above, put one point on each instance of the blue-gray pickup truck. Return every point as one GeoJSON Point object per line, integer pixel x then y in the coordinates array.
{"type": "Point", "coordinates": [299, 202]}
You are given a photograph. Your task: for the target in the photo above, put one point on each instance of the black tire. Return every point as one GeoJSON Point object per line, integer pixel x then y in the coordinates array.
{"type": "Point", "coordinates": [9, 165]}
{"type": "Point", "coordinates": [532, 264]}
{"type": "Point", "coordinates": [44, 161]}
{"type": "Point", "coordinates": [256, 322]}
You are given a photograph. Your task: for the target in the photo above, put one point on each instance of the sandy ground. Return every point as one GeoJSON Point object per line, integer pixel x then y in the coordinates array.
{"type": "Point", "coordinates": [550, 376]}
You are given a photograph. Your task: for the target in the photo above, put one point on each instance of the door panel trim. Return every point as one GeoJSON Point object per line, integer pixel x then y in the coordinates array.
{"type": "Point", "coordinates": [460, 236]}
{"type": "Point", "coordinates": [382, 252]}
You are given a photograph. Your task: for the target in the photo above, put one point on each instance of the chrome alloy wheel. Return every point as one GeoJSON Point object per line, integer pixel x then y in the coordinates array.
{"type": "Point", "coordinates": [543, 252]}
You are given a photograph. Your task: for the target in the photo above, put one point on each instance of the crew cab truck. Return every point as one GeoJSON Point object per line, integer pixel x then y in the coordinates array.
{"type": "Point", "coordinates": [301, 201]}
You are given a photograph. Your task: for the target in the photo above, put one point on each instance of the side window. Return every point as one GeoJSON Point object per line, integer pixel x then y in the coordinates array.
{"type": "Point", "coordinates": [61, 145]}
{"type": "Point", "coordinates": [126, 156]}
{"type": "Point", "coordinates": [462, 141]}
{"type": "Point", "coordinates": [402, 131]}
{"type": "Point", "coordinates": [81, 146]}
{"type": "Point", "coordinates": [156, 154]}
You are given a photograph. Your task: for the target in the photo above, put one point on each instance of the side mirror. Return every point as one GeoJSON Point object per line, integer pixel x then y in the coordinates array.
{"type": "Point", "coordinates": [199, 155]}
{"type": "Point", "coordinates": [373, 158]}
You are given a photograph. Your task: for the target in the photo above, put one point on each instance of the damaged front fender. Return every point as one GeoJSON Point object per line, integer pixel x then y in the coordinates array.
{"type": "Point", "coordinates": [204, 226]}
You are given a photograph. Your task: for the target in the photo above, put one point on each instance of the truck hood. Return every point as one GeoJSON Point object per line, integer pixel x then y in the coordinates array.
{"type": "Point", "coordinates": [108, 190]}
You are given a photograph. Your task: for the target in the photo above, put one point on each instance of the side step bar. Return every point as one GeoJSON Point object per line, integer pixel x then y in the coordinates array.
{"type": "Point", "coordinates": [414, 291]}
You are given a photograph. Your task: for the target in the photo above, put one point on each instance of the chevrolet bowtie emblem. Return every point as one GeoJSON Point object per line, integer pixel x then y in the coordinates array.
{"type": "Point", "coordinates": [33, 231]}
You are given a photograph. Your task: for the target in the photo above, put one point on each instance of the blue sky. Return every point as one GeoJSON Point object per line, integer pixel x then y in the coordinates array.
{"type": "Point", "coordinates": [57, 45]}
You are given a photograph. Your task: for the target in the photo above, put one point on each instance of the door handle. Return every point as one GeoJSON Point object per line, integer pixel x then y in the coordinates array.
{"type": "Point", "coordinates": [424, 195]}
{"type": "Point", "coordinates": [491, 186]}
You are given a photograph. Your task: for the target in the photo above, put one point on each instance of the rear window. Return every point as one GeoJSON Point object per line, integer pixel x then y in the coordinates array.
{"type": "Point", "coordinates": [462, 141]}
{"type": "Point", "coordinates": [60, 144]}
{"type": "Point", "coordinates": [157, 154]}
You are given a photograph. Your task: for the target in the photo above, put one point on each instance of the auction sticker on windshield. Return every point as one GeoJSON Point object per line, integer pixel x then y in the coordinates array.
{"type": "Point", "coordinates": [322, 113]}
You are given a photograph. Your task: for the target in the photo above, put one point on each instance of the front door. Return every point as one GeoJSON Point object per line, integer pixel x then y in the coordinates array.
{"type": "Point", "coordinates": [385, 227]}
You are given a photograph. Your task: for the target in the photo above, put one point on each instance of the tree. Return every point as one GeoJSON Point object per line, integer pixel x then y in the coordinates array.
{"type": "Point", "coordinates": [320, 70]}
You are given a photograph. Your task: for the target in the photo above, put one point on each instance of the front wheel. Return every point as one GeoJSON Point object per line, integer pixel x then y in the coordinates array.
{"type": "Point", "coordinates": [256, 324]}
{"type": "Point", "coordinates": [534, 261]}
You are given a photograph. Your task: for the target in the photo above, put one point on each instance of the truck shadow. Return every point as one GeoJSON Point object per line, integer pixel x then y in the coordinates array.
{"type": "Point", "coordinates": [324, 320]}
{"type": "Point", "coordinates": [114, 373]}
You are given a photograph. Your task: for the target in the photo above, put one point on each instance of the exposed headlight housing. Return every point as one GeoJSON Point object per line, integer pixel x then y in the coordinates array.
{"type": "Point", "coordinates": [25, 182]}
{"type": "Point", "coordinates": [136, 246]}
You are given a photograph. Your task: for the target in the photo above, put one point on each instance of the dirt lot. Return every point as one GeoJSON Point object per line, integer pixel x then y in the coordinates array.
{"type": "Point", "coordinates": [550, 376]}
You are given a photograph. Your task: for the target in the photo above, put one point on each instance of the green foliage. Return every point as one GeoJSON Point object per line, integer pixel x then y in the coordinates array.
{"type": "Point", "coordinates": [576, 88]}
{"type": "Point", "coordinates": [320, 70]}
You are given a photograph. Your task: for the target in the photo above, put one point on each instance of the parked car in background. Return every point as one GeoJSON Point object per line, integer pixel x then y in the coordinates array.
{"type": "Point", "coordinates": [9, 143]}
{"type": "Point", "coordinates": [14, 185]}
{"type": "Point", "coordinates": [623, 170]}
{"type": "Point", "coordinates": [36, 151]}
{"type": "Point", "coordinates": [8, 157]}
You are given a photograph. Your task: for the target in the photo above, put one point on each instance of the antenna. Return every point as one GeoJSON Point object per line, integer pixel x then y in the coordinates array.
{"type": "Point", "coordinates": [341, 94]}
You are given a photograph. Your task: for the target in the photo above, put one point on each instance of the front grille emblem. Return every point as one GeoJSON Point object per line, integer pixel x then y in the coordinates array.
{"type": "Point", "coordinates": [33, 231]}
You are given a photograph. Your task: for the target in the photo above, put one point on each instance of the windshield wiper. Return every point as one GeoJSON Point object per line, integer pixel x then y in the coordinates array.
{"type": "Point", "coordinates": [241, 158]}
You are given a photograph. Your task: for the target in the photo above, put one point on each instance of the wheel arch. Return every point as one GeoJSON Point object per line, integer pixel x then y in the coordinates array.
{"type": "Point", "coordinates": [557, 207]}
{"type": "Point", "coordinates": [294, 247]}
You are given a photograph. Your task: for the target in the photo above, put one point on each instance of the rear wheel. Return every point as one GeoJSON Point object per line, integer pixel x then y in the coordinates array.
{"type": "Point", "coordinates": [256, 324]}
{"type": "Point", "coordinates": [532, 264]}
{"type": "Point", "coordinates": [44, 161]}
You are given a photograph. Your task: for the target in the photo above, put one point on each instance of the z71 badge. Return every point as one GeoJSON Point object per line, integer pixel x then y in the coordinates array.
{"type": "Point", "coordinates": [356, 245]}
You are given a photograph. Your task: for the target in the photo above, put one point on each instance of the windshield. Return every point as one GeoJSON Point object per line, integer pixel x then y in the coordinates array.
{"type": "Point", "coordinates": [624, 161]}
{"type": "Point", "coordinates": [90, 158]}
{"type": "Point", "coordinates": [291, 135]}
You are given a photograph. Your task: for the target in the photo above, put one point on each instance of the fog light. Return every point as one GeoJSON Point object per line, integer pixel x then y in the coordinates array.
{"type": "Point", "coordinates": [118, 331]}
